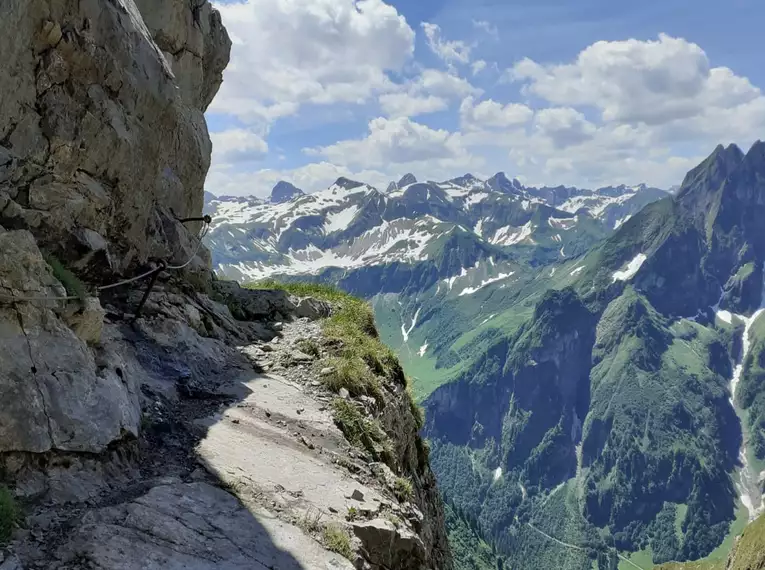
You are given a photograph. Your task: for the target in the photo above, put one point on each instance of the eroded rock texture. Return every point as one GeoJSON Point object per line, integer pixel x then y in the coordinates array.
{"type": "Point", "coordinates": [102, 133]}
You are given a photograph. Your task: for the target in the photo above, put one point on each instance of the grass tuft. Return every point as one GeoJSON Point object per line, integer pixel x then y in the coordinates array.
{"type": "Point", "coordinates": [362, 358]}
{"type": "Point", "coordinates": [361, 431]}
{"type": "Point", "coordinates": [402, 488]}
{"type": "Point", "coordinates": [309, 347]}
{"type": "Point", "coordinates": [337, 540]}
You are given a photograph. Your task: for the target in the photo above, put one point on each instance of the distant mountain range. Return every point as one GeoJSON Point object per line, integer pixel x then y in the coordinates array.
{"type": "Point", "coordinates": [353, 225]}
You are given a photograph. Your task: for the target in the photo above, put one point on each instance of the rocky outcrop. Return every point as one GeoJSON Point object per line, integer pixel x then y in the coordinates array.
{"type": "Point", "coordinates": [103, 140]}
{"type": "Point", "coordinates": [138, 427]}
{"type": "Point", "coordinates": [284, 192]}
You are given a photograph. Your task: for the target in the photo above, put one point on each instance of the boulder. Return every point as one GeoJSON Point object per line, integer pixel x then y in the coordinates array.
{"type": "Point", "coordinates": [253, 304]}
{"type": "Point", "coordinates": [389, 547]}
{"type": "Point", "coordinates": [310, 308]}
{"type": "Point", "coordinates": [87, 320]}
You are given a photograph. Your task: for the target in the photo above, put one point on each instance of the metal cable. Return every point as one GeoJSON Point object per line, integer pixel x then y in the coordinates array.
{"type": "Point", "coordinates": [162, 267]}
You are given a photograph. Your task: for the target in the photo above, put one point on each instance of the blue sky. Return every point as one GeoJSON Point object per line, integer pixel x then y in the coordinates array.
{"type": "Point", "coordinates": [585, 92]}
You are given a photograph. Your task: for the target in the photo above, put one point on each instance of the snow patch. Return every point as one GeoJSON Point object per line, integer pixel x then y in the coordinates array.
{"type": "Point", "coordinates": [562, 223]}
{"type": "Point", "coordinates": [509, 235]}
{"type": "Point", "coordinates": [500, 277]}
{"type": "Point", "coordinates": [631, 270]}
{"type": "Point", "coordinates": [577, 271]}
{"type": "Point", "coordinates": [450, 281]}
{"type": "Point", "coordinates": [404, 331]}
{"type": "Point", "coordinates": [725, 316]}
{"type": "Point", "coordinates": [748, 486]}
{"type": "Point", "coordinates": [497, 473]}
{"type": "Point", "coordinates": [621, 222]}
{"type": "Point", "coordinates": [340, 220]}
{"type": "Point", "coordinates": [422, 350]}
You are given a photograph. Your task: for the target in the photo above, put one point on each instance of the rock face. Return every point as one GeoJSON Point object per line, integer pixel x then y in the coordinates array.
{"type": "Point", "coordinates": [284, 192]}
{"type": "Point", "coordinates": [102, 143]}
{"type": "Point", "coordinates": [102, 134]}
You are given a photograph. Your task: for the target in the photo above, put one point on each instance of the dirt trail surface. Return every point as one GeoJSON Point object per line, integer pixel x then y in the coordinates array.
{"type": "Point", "coordinates": [247, 474]}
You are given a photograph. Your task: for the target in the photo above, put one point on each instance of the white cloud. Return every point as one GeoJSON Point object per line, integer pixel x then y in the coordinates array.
{"type": "Point", "coordinates": [443, 84]}
{"type": "Point", "coordinates": [564, 126]}
{"type": "Point", "coordinates": [407, 105]}
{"type": "Point", "coordinates": [395, 142]}
{"type": "Point", "coordinates": [450, 51]}
{"type": "Point", "coordinates": [287, 53]}
{"type": "Point", "coordinates": [487, 28]}
{"type": "Point", "coordinates": [619, 112]}
{"type": "Point", "coordinates": [662, 82]}
{"type": "Point", "coordinates": [237, 145]}
{"type": "Point", "coordinates": [478, 66]}
{"type": "Point", "coordinates": [492, 115]}
{"type": "Point", "coordinates": [310, 178]}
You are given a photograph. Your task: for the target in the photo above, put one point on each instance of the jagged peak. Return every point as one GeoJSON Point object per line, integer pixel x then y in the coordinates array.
{"type": "Point", "coordinates": [407, 179]}
{"type": "Point", "coordinates": [464, 180]}
{"type": "Point", "coordinates": [284, 192]}
{"type": "Point", "coordinates": [712, 171]}
{"type": "Point", "coordinates": [501, 183]}
{"type": "Point", "coordinates": [347, 183]}
{"type": "Point", "coordinates": [756, 153]}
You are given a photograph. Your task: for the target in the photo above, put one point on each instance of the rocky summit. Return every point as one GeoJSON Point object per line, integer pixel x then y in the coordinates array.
{"type": "Point", "coordinates": [153, 416]}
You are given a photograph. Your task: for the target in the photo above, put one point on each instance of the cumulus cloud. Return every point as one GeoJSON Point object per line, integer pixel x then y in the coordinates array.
{"type": "Point", "coordinates": [443, 84]}
{"type": "Point", "coordinates": [618, 112]}
{"type": "Point", "coordinates": [408, 105]}
{"type": "Point", "coordinates": [454, 51]}
{"type": "Point", "coordinates": [286, 54]}
{"type": "Point", "coordinates": [492, 115]}
{"type": "Point", "coordinates": [564, 126]}
{"type": "Point", "coordinates": [395, 141]}
{"type": "Point", "coordinates": [310, 178]}
{"type": "Point", "coordinates": [237, 145]}
{"type": "Point", "coordinates": [659, 82]}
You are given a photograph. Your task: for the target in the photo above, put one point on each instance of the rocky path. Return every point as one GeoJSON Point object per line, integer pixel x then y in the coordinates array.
{"type": "Point", "coordinates": [248, 476]}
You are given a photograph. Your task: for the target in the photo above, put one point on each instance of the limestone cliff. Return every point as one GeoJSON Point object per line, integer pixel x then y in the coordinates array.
{"type": "Point", "coordinates": [218, 428]}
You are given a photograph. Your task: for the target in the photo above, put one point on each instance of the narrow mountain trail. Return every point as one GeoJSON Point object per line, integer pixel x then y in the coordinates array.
{"type": "Point", "coordinates": [579, 548]}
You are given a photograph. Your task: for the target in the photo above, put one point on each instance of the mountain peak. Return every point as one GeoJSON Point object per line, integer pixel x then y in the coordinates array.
{"type": "Point", "coordinates": [464, 180]}
{"type": "Point", "coordinates": [501, 183]}
{"type": "Point", "coordinates": [347, 184]}
{"type": "Point", "coordinates": [709, 174]}
{"type": "Point", "coordinates": [756, 154]}
{"type": "Point", "coordinates": [284, 192]}
{"type": "Point", "coordinates": [406, 180]}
